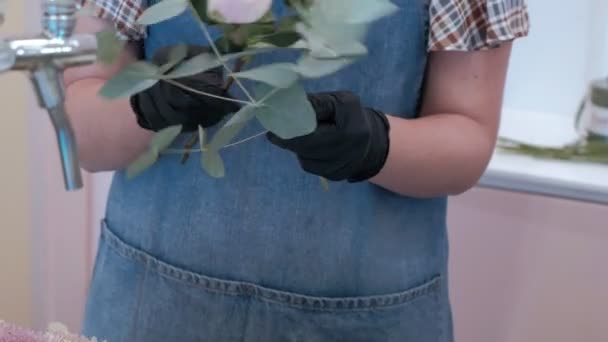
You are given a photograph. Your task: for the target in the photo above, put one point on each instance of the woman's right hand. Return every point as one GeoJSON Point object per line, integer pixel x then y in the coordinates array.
{"type": "Point", "coordinates": [166, 104]}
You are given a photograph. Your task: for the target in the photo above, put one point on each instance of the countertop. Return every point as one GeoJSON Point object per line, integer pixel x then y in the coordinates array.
{"type": "Point", "coordinates": [563, 179]}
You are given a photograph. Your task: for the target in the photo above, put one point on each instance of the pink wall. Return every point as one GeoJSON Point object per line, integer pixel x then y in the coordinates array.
{"type": "Point", "coordinates": [528, 269]}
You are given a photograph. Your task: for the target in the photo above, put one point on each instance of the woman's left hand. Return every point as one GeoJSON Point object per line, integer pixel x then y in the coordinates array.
{"type": "Point", "coordinates": [351, 142]}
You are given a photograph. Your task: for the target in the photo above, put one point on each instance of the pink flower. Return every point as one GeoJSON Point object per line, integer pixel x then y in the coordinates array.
{"type": "Point", "coordinates": [238, 11]}
{"type": "Point", "coordinates": [14, 333]}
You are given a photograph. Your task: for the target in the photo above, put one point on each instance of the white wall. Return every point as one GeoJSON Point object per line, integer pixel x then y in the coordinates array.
{"type": "Point", "coordinates": [567, 46]}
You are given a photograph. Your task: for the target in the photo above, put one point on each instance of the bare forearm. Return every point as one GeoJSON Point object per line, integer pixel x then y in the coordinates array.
{"type": "Point", "coordinates": [106, 131]}
{"type": "Point", "coordinates": [448, 148]}
{"type": "Point", "coordinates": [437, 155]}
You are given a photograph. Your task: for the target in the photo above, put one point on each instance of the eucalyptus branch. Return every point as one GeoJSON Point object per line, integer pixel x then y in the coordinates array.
{"type": "Point", "coordinates": [580, 150]}
{"type": "Point", "coordinates": [267, 96]}
{"type": "Point", "coordinates": [188, 147]}
{"type": "Point", "coordinates": [246, 139]}
{"type": "Point", "coordinates": [238, 65]}
{"type": "Point", "coordinates": [198, 150]}
{"type": "Point", "coordinates": [219, 56]}
{"type": "Point", "coordinates": [196, 91]}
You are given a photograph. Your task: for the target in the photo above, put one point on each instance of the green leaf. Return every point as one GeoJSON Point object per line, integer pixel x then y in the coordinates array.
{"type": "Point", "coordinates": [232, 128]}
{"type": "Point", "coordinates": [213, 164]}
{"type": "Point", "coordinates": [311, 67]}
{"type": "Point", "coordinates": [163, 138]}
{"type": "Point", "coordinates": [280, 75]}
{"type": "Point", "coordinates": [257, 29]}
{"type": "Point", "coordinates": [109, 46]}
{"type": "Point", "coordinates": [357, 11]}
{"type": "Point", "coordinates": [323, 44]}
{"type": "Point", "coordinates": [201, 137]}
{"type": "Point", "coordinates": [195, 65]}
{"type": "Point", "coordinates": [288, 23]}
{"type": "Point", "coordinates": [131, 80]}
{"type": "Point", "coordinates": [226, 46]}
{"type": "Point", "coordinates": [328, 35]}
{"type": "Point", "coordinates": [177, 54]}
{"type": "Point", "coordinates": [286, 112]}
{"type": "Point", "coordinates": [162, 11]}
{"type": "Point", "coordinates": [206, 61]}
{"type": "Point", "coordinates": [280, 39]}
{"type": "Point", "coordinates": [142, 163]}
{"type": "Point", "coordinates": [200, 6]}
{"type": "Point", "coordinates": [282, 34]}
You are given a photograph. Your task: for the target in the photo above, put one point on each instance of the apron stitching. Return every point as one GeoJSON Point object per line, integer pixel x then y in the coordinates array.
{"type": "Point", "coordinates": [299, 301]}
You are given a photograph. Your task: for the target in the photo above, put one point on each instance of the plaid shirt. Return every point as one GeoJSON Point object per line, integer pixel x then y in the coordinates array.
{"type": "Point", "coordinates": [457, 25]}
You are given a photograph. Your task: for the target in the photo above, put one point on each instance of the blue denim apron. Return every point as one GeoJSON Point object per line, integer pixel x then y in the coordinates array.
{"type": "Point", "coordinates": [266, 254]}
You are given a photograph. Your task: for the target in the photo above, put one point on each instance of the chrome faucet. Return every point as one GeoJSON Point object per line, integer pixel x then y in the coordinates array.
{"type": "Point", "coordinates": [44, 58]}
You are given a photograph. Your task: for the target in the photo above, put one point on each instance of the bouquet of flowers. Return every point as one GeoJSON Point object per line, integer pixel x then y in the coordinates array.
{"type": "Point", "coordinates": [327, 35]}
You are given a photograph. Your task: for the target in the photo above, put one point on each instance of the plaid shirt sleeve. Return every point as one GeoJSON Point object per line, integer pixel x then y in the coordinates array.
{"type": "Point", "coordinates": [123, 13]}
{"type": "Point", "coordinates": [457, 25]}
{"type": "Point", "coordinates": [465, 25]}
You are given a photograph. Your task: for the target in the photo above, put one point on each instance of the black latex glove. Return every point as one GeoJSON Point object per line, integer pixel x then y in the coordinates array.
{"type": "Point", "coordinates": [165, 105]}
{"type": "Point", "coordinates": [350, 143]}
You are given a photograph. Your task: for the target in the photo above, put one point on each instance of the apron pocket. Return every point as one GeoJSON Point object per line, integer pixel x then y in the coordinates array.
{"type": "Point", "coordinates": [176, 304]}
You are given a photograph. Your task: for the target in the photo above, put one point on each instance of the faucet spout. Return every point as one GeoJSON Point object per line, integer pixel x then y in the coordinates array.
{"type": "Point", "coordinates": [48, 83]}
{"type": "Point", "coordinates": [67, 148]}
{"type": "Point", "coordinates": [44, 58]}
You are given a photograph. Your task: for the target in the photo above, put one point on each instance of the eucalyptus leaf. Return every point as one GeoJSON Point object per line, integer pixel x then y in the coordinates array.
{"type": "Point", "coordinates": [195, 65]}
{"type": "Point", "coordinates": [323, 44]}
{"type": "Point", "coordinates": [257, 29]}
{"type": "Point", "coordinates": [280, 75]}
{"type": "Point", "coordinates": [134, 78]}
{"type": "Point", "coordinates": [201, 137]}
{"type": "Point", "coordinates": [109, 46]}
{"type": "Point", "coordinates": [330, 35]}
{"type": "Point", "coordinates": [310, 67]}
{"type": "Point", "coordinates": [206, 61]}
{"type": "Point", "coordinates": [226, 46]}
{"type": "Point", "coordinates": [232, 127]}
{"type": "Point", "coordinates": [162, 11]}
{"type": "Point", "coordinates": [200, 6]}
{"type": "Point", "coordinates": [163, 138]}
{"type": "Point", "coordinates": [280, 39]}
{"type": "Point", "coordinates": [142, 163]}
{"type": "Point", "coordinates": [286, 112]}
{"type": "Point", "coordinates": [177, 54]}
{"type": "Point", "coordinates": [213, 164]}
{"type": "Point", "coordinates": [357, 11]}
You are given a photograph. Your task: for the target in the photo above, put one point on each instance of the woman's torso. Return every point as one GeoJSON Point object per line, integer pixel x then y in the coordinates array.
{"type": "Point", "coordinates": [269, 223]}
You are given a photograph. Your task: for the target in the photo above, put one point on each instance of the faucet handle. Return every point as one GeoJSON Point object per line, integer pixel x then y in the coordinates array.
{"type": "Point", "coordinates": [7, 56]}
{"type": "Point", "coordinates": [59, 17]}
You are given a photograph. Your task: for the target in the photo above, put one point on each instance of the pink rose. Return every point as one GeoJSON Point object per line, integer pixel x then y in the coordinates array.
{"type": "Point", "coordinates": [238, 11]}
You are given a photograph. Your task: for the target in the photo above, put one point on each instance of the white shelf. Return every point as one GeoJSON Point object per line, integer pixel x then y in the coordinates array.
{"type": "Point", "coordinates": [570, 180]}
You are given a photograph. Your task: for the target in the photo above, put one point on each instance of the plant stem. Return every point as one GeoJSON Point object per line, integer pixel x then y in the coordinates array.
{"type": "Point", "coordinates": [178, 151]}
{"type": "Point", "coordinates": [196, 91]}
{"type": "Point", "coordinates": [246, 139]}
{"type": "Point", "coordinates": [238, 65]}
{"type": "Point", "coordinates": [188, 147]}
{"type": "Point", "coordinates": [219, 56]}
